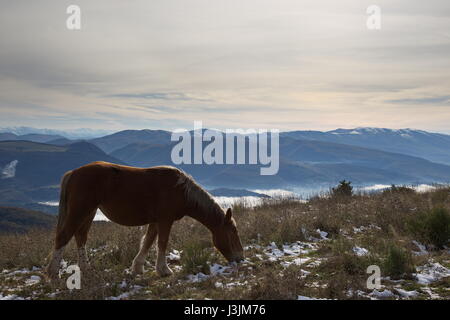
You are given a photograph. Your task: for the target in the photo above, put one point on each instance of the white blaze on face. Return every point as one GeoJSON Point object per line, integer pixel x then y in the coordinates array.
{"type": "Point", "coordinates": [9, 171]}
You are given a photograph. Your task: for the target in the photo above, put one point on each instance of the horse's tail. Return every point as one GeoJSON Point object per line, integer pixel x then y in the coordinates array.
{"type": "Point", "coordinates": [63, 200]}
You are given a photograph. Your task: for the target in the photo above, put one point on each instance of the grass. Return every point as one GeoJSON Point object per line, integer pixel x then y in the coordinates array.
{"type": "Point", "coordinates": [195, 257]}
{"type": "Point", "coordinates": [390, 221]}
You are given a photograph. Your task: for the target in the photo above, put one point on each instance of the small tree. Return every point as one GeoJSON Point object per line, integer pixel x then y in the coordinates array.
{"type": "Point", "coordinates": [399, 190]}
{"type": "Point", "coordinates": [344, 189]}
{"type": "Point", "coordinates": [398, 262]}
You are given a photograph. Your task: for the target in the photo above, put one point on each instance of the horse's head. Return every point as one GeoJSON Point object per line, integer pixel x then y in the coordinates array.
{"type": "Point", "coordinates": [226, 239]}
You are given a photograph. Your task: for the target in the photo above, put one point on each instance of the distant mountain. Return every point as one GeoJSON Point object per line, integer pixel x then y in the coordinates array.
{"type": "Point", "coordinates": [34, 137]}
{"type": "Point", "coordinates": [17, 220]}
{"type": "Point", "coordinates": [7, 136]}
{"type": "Point", "coordinates": [121, 139]}
{"type": "Point", "coordinates": [61, 141]}
{"type": "Point", "coordinates": [302, 162]}
{"type": "Point", "coordinates": [32, 171]}
{"type": "Point", "coordinates": [81, 133]}
{"type": "Point", "coordinates": [431, 146]}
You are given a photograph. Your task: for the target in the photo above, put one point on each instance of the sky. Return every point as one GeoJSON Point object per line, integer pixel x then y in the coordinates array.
{"type": "Point", "coordinates": [278, 64]}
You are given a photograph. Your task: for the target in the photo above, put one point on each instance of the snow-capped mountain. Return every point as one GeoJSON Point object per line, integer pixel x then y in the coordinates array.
{"type": "Point", "coordinates": [81, 133]}
{"type": "Point", "coordinates": [431, 146]}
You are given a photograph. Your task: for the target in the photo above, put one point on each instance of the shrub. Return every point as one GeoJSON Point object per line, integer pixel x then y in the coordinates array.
{"type": "Point", "coordinates": [344, 189]}
{"type": "Point", "coordinates": [344, 260]}
{"type": "Point", "coordinates": [398, 262]}
{"type": "Point", "coordinates": [438, 227]}
{"type": "Point", "coordinates": [432, 227]}
{"type": "Point", "coordinates": [440, 196]}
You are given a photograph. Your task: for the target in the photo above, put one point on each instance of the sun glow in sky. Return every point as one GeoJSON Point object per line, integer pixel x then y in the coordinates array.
{"type": "Point", "coordinates": [285, 64]}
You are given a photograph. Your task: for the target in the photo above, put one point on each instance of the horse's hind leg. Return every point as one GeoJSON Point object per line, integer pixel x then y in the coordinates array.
{"type": "Point", "coordinates": [63, 237]}
{"type": "Point", "coordinates": [74, 221]}
{"type": "Point", "coordinates": [146, 243]}
{"type": "Point", "coordinates": [81, 239]}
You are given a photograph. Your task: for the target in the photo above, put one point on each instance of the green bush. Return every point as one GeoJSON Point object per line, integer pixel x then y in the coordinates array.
{"type": "Point", "coordinates": [195, 257]}
{"type": "Point", "coordinates": [438, 227]}
{"type": "Point", "coordinates": [398, 262]}
{"type": "Point", "coordinates": [432, 227]}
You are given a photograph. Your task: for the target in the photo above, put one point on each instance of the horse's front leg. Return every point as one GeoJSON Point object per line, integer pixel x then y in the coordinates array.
{"type": "Point", "coordinates": [163, 238]}
{"type": "Point", "coordinates": [146, 243]}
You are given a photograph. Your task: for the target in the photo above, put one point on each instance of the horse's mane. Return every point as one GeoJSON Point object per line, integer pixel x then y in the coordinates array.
{"type": "Point", "coordinates": [199, 199]}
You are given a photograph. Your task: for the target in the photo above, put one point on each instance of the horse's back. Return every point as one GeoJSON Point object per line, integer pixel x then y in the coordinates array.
{"type": "Point", "coordinates": [129, 195]}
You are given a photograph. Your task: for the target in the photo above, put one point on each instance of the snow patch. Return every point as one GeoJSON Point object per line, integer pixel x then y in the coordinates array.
{"type": "Point", "coordinates": [309, 298]}
{"type": "Point", "coordinates": [174, 255]}
{"type": "Point", "coordinates": [431, 272]}
{"type": "Point", "coordinates": [382, 294]}
{"type": "Point", "coordinates": [360, 251]}
{"type": "Point", "coordinates": [10, 297]}
{"type": "Point", "coordinates": [126, 295]}
{"type": "Point", "coordinates": [406, 294]}
{"type": "Point", "coordinates": [9, 171]}
{"type": "Point", "coordinates": [323, 234]}
{"type": "Point", "coordinates": [33, 280]}
{"type": "Point", "coordinates": [422, 249]}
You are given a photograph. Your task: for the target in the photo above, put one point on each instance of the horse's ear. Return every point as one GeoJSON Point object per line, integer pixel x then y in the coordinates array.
{"type": "Point", "coordinates": [228, 215]}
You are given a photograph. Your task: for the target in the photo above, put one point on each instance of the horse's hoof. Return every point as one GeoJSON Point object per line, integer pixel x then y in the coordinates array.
{"type": "Point", "coordinates": [51, 277]}
{"type": "Point", "coordinates": [164, 271]}
{"type": "Point", "coordinates": [137, 269]}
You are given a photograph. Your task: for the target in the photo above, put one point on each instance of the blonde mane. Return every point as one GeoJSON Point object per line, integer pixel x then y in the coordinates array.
{"type": "Point", "coordinates": [197, 197]}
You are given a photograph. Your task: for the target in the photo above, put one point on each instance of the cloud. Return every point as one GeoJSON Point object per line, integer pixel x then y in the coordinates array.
{"type": "Point", "coordinates": [261, 63]}
{"type": "Point", "coordinates": [158, 96]}
{"type": "Point", "coordinates": [442, 100]}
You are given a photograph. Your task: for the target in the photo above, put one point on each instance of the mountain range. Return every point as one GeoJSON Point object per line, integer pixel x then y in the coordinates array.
{"type": "Point", "coordinates": [431, 146]}
{"type": "Point", "coordinates": [31, 171]}
{"type": "Point", "coordinates": [32, 164]}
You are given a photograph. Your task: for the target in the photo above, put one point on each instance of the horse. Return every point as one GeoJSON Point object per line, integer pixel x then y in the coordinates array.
{"type": "Point", "coordinates": [156, 196]}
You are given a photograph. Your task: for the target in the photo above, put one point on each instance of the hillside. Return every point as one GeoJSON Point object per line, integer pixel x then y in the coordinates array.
{"type": "Point", "coordinates": [121, 139]}
{"type": "Point", "coordinates": [38, 168]}
{"type": "Point", "coordinates": [319, 249]}
{"type": "Point", "coordinates": [17, 220]}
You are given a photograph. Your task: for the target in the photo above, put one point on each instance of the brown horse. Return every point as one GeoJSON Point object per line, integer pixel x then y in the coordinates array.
{"type": "Point", "coordinates": [130, 196]}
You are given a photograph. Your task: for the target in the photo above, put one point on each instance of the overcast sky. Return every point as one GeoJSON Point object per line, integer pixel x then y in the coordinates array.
{"type": "Point", "coordinates": [285, 64]}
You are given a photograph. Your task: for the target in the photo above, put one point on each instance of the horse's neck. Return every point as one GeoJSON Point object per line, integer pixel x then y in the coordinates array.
{"type": "Point", "coordinates": [211, 219]}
